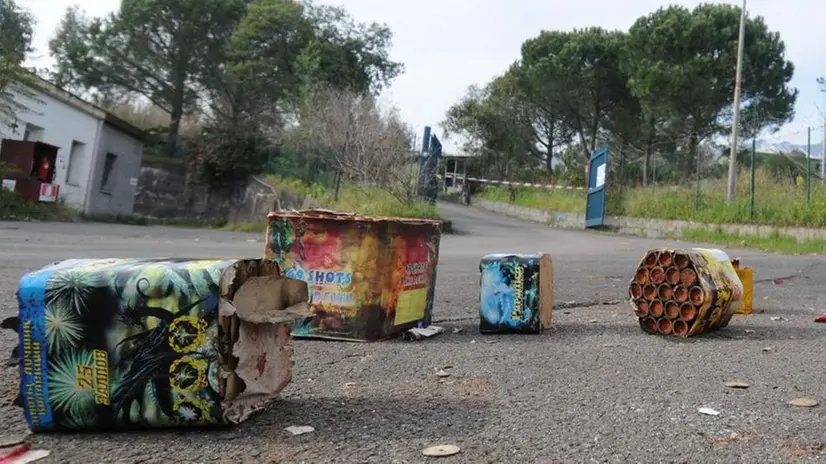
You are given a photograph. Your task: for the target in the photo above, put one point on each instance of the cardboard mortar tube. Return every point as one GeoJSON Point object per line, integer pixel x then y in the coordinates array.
{"type": "Point", "coordinates": [641, 276]}
{"type": "Point", "coordinates": [672, 275]}
{"type": "Point", "coordinates": [688, 277]}
{"type": "Point", "coordinates": [651, 259]}
{"type": "Point", "coordinates": [665, 292]}
{"type": "Point", "coordinates": [687, 312]}
{"type": "Point", "coordinates": [649, 325]}
{"type": "Point", "coordinates": [679, 328]}
{"type": "Point", "coordinates": [665, 258]}
{"type": "Point", "coordinates": [680, 294]}
{"type": "Point", "coordinates": [672, 310]}
{"type": "Point", "coordinates": [656, 309]}
{"type": "Point", "coordinates": [657, 275]}
{"type": "Point", "coordinates": [649, 291]}
{"type": "Point", "coordinates": [664, 326]}
{"type": "Point", "coordinates": [696, 295]}
{"type": "Point", "coordinates": [642, 308]}
{"type": "Point", "coordinates": [635, 290]}
{"type": "Point", "coordinates": [681, 260]}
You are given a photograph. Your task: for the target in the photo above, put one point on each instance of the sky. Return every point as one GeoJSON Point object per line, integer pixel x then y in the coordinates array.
{"type": "Point", "coordinates": [448, 45]}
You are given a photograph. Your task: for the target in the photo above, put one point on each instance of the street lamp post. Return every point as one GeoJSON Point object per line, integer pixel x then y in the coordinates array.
{"type": "Point", "coordinates": [822, 82]}
{"type": "Point", "coordinates": [732, 161]}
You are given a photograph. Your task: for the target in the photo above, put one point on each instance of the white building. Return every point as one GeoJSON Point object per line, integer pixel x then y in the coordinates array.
{"type": "Point", "coordinates": [99, 159]}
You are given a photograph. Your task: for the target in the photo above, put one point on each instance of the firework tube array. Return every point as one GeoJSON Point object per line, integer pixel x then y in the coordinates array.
{"type": "Point", "coordinates": [685, 292]}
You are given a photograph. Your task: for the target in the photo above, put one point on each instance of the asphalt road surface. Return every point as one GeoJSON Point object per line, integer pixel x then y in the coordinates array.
{"type": "Point", "coordinates": [595, 389]}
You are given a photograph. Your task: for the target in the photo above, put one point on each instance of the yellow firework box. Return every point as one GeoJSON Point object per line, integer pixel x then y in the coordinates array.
{"type": "Point", "coordinates": [685, 292]}
{"type": "Point", "coordinates": [746, 274]}
{"type": "Point", "coordinates": [369, 278]}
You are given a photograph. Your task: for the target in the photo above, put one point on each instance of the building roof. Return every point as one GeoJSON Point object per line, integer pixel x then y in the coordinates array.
{"type": "Point", "coordinates": [91, 109]}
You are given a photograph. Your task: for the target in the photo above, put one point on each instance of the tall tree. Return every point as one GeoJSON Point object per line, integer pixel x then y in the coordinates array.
{"type": "Point", "coordinates": [495, 123]}
{"type": "Point", "coordinates": [152, 48]}
{"type": "Point", "coordinates": [16, 28]}
{"type": "Point", "coordinates": [682, 62]}
{"type": "Point", "coordinates": [576, 75]}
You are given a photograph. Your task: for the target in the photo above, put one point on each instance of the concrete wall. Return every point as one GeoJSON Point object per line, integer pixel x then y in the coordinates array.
{"type": "Point", "coordinates": [118, 196]}
{"type": "Point", "coordinates": [62, 124]}
{"type": "Point", "coordinates": [644, 227]}
{"type": "Point", "coordinates": [165, 192]}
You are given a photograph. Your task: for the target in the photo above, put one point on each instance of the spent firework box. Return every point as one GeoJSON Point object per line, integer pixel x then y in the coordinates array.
{"type": "Point", "coordinates": [516, 292]}
{"type": "Point", "coordinates": [137, 343]}
{"type": "Point", "coordinates": [369, 278]}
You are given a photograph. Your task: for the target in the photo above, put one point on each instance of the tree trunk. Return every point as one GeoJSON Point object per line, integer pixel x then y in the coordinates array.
{"type": "Point", "coordinates": [692, 164]}
{"type": "Point", "coordinates": [175, 116]}
{"type": "Point", "coordinates": [646, 161]}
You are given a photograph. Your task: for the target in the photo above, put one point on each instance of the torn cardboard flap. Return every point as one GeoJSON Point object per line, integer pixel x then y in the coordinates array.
{"type": "Point", "coordinates": [256, 315]}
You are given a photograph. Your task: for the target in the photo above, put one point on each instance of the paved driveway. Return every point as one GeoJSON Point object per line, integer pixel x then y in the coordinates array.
{"type": "Point", "coordinates": [596, 389]}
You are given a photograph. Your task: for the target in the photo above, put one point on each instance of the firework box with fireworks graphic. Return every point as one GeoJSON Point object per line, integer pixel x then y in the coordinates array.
{"type": "Point", "coordinates": [369, 278]}
{"type": "Point", "coordinates": [517, 293]}
{"type": "Point", "coordinates": [125, 343]}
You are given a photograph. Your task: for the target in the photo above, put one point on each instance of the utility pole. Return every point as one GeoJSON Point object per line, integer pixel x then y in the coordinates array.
{"type": "Point", "coordinates": [735, 124]}
{"type": "Point", "coordinates": [822, 82]}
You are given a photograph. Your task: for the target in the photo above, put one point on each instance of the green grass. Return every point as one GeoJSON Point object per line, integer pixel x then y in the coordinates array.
{"type": "Point", "coordinates": [14, 208]}
{"type": "Point", "coordinates": [776, 203]}
{"type": "Point", "coordinates": [774, 243]}
{"type": "Point", "coordinates": [362, 200]}
{"type": "Point", "coordinates": [560, 201]}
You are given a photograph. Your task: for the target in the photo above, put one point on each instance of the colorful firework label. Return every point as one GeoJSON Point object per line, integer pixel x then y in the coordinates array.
{"type": "Point", "coordinates": [121, 343]}
{"type": "Point", "coordinates": [516, 293]}
{"type": "Point", "coordinates": [368, 278]}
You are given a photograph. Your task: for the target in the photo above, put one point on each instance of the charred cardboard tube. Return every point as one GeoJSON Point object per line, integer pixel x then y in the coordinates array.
{"type": "Point", "coordinates": [672, 275]}
{"type": "Point", "coordinates": [688, 312]}
{"type": "Point", "coordinates": [657, 276]}
{"type": "Point", "coordinates": [649, 325]}
{"type": "Point", "coordinates": [635, 291]}
{"type": "Point", "coordinates": [696, 295]}
{"type": "Point", "coordinates": [641, 308]}
{"type": "Point", "coordinates": [656, 308]}
{"type": "Point", "coordinates": [222, 328]}
{"type": "Point", "coordinates": [681, 260]}
{"type": "Point", "coordinates": [672, 310]}
{"type": "Point", "coordinates": [649, 292]}
{"type": "Point", "coordinates": [664, 326]}
{"type": "Point", "coordinates": [680, 328]}
{"type": "Point", "coordinates": [665, 292]}
{"type": "Point", "coordinates": [680, 294]}
{"type": "Point", "coordinates": [688, 277]}
{"type": "Point", "coordinates": [651, 259]}
{"type": "Point", "coordinates": [665, 259]}
{"type": "Point", "coordinates": [641, 276]}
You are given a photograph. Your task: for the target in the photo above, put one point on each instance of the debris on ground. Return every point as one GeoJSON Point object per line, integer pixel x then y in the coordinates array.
{"type": "Point", "coordinates": [821, 319]}
{"type": "Point", "coordinates": [442, 373]}
{"type": "Point", "coordinates": [299, 429]}
{"type": "Point", "coordinates": [441, 451]}
{"type": "Point", "coordinates": [737, 384]}
{"type": "Point", "coordinates": [418, 333]}
{"type": "Point", "coordinates": [777, 318]}
{"type": "Point", "coordinates": [15, 450]}
{"type": "Point", "coordinates": [804, 402]}
{"type": "Point", "coordinates": [768, 348]}
{"type": "Point", "coordinates": [708, 411]}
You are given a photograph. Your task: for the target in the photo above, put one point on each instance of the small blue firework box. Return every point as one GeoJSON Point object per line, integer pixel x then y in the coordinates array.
{"type": "Point", "coordinates": [517, 293]}
{"type": "Point", "coordinates": [127, 343]}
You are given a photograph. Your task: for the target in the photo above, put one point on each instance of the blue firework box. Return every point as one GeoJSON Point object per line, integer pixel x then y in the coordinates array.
{"type": "Point", "coordinates": [517, 293]}
{"type": "Point", "coordinates": [142, 343]}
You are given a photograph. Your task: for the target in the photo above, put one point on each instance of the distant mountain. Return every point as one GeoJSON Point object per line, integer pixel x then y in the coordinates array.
{"type": "Point", "coordinates": [766, 146]}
